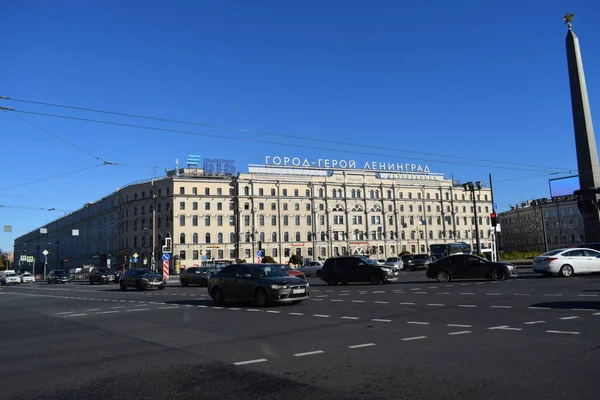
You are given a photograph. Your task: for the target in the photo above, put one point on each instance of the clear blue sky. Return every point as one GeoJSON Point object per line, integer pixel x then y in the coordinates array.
{"type": "Point", "coordinates": [472, 79]}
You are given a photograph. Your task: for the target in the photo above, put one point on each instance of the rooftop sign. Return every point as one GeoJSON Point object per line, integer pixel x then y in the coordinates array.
{"type": "Point", "coordinates": [345, 164]}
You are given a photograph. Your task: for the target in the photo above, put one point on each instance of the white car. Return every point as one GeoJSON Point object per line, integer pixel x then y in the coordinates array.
{"type": "Point", "coordinates": [27, 278]}
{"type": "Point", "coordinates": [10, 278]}
{"type": "Point", "coordinates": [311, 268]}
{"type": "Point", "coordinates": [566, 262]}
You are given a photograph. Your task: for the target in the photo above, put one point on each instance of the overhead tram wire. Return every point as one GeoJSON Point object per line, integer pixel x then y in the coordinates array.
{"type": "Point", "coordinates": [271, 142]}
{"type": "Point", "coordinates": [33, 208]}
{"type": "Point", "coordinates": [259, 132]}
{"type": "Point", "coordinates": [53, 176]}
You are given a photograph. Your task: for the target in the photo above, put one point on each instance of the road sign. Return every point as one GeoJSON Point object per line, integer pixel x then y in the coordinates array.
{"type": "Point", "coordinates": [23, 258]}
{"type": "Point", "coordinates": [166, 256]}
{"type": "Point", "coordinates": [135, 255]}
{"type": "Point", "coordinates": [495, 205]}
{"type": "Point", "coordinates": [30, 259]}
{"type": "Point", "coordinates": [166, 270]}
{"type": "Point", "coordinates": [108, 262]}
{"type": "Point", "coordinates": [135, 259]}
{"type": "Point", "coordinates": [145, 261]}
{"type": "Point", "coordinates": [203, 258]}
{"type": "Point", "coordinates": [258, 253]}
{"type": "Point", "coordinates": [45, 252]}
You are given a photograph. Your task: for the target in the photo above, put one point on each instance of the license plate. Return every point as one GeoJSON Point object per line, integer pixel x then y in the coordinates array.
{"type": "Point", "coordinates": [296, 291]}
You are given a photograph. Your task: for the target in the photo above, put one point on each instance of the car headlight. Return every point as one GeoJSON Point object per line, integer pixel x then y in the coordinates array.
{"type": "Point", "coordinates": [279, 287]}
{"type": "Point", "coordinates": [510, 267]}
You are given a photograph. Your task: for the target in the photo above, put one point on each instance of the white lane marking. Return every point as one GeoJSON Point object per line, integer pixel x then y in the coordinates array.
{"type": "Point", "coordinates": [345, 291]}
{"type": "Point", "coordinates": [464, 284]}
{"type": "Point", "coordinates": [587, 295]}
{"type": "Point", "coordinates": [66, 312]}
{"type": "Point", "coordinates": [309, 353]}
{"type": "Point", "coordinates": [167, 308]}
{"type": "Point", "coordinates": [459, 333]}
{"type": "Point", "coordinates": [138, 309]}
{"type": "Point", "coordinates": [317, 299]}
{"type": "Point", "coordinates": [379, 291]}
{"type": "Point", "coordinates": [273, 312]}
{"type": "Point", "coordinates": [236, 309]}
{"type": "Point", "coordinates": [420, 292]}
{"type": "Point", "coordinates": [459, 326]}
{"type": "Point", "coordinates": [467, 293]}
{"type": "Point", "coordinates": [258, 360]}
{"type": "Point", "coordinates": [358, 346]}
{"type": "Point", "coordinates": [539, 308]}
{"type": "Point", "coordinates": [414, 338]}
{"type": "Point", "coordinates": [572, 317]}
{"type": "Point", "coordinates": [336, 300]}
{"type": "Point", "coordinates": [344, 294]}
{"type": "Point", "coordinates": [564, 332]}
{"type": "Point", "coordinates": [349, 317]}
{"type": "Point", "coordinates": [432, 287]}
{"type": "Point", "coordinates": [140, 305]}
{"type": "Point", "coordinates": [381, 320]}
{"type": "Point", "coordinates": [74, 315]}
{"type": "Point", "coordinates": [501, 306]}
{"type": "Point", "coordinates": [217, 308]}
{"type": "Point", "coordinates": [448, 285]}
{"type": "Point", "coordinates": [417, 322]}
{"type": "Point", "coordinates": [93, 309]}
{"type": "Point", "coordinates": [253, 310]}
{"type": "Point", "coordinates": [443, 293]}
{"type": "Point", "coordinates": [583, 309]}
{"type": "Point", "coordinates": [358, 301]}
{"type": "Point", "coordinates": [418, 288]}
{"type": "Point", "coordinates": [480, 283]}
{"type": "Point", "coordinates": [534, 322]}
{"type": "Point", "coordinates": [108, 312]}
{"type": "Point", "coordinates": [323, 295]}
{"type": "Point", "coordinates": [321, 316]}
{"type": "Point", "coordinates": [435, 305]}
{"type": "Point", "coordinates": [552, 294]}
{"type": "Point", "coordinates": [201, 306]}
{"type": "Point", "coordinates": [597, 313]}
{"type": "Point", "coordinates": [493, 294]}
{"type": "Point", "coordinates": [504, 328]}
{"type": "Point", "coordinates": [296, 313]}
{"type": "Point", "coordinates": [408, 304]}
{"type": "Point", "coordinates": [522, 294]}
{"type": "Point", "coordinates": [467, 305]}
{"type": "Point", "coordinates": [382, 302]}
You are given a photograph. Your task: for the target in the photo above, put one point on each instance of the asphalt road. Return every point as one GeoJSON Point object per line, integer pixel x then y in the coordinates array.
{"type": "Point", "coordinates": [528, 338]}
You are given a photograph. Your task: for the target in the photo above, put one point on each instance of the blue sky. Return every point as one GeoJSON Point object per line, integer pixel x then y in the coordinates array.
{"type": "Point", "coordinates": [484, 80]}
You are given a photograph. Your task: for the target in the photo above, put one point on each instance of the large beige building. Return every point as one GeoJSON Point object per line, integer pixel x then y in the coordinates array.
{"type": "Point", "coordinates": [314, 212]}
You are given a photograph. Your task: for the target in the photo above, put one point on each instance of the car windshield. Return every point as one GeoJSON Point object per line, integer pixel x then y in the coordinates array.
{"type": "Point", "coordinates": [369, 261]}
{"type": "Point", "coordinates": [27, 274]}
{"type": "Point", "coordinates": [421, 256]}
{"type": "Point", "coordinates": [59, 271]}
{"type": "Point", "coordinates": [268, 271]}
{"type": "Point", "coordinates": [144, 272]}
{"type": "Point", "coordinates": [392, 259]}
{"type": "Point", "coordinates": [10, 274]}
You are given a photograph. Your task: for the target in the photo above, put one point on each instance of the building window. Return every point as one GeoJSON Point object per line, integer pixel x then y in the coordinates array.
{"type": "Point", "coordinates": [194, 205]}
{"type": "Point", "coordinates": [181, 220]}
{"type": "Point", "coordinates": [194, 220]}
{"type": "Point", "coordinates": [297, 207]}
{"type": "Point", "coordinates": [261, 192]}
{"type": "Point", "coordinates": [274, 252]}
{"type": "Point", "coordinates": [195, 252]}
{"type": "Point", "coordinates": [261, 206]}
{"type": "Point", "coordinates": [273, 207]}
{"type": "Point", "coordinates": [194, 191]}
{"type": "Point", "coordinates": [181, 190]}
{"type": "Point", "coordinates": [195, 238]}
{"type": "Point", "coordinates": [285, 220]}
{"type": "Point", "coordinates": [284, 192]}
{"type": "Point", "coordinates": [273, 220]}
{"type": "Point", "coordinates": [285, 206]}
{"type": "Point", "coordinates": [296, 193]}
{"type": "Point", "coordinates": [246, 191]}
{"type": "Point", "coordinates": [297, 220]}
{"type": "Point", "coordinates": [219, 192]}
{"type": "Point", "coordinates": [247, 253]}
{"type": "Point", "coordinates": [321, 193]}
{"type": "Point", "coordinates": [219, 237]}
{"type": "Point", "coordinates": [231, 220]}
{"type": "Point", "coordinates": [272, 192]}
{"type": "Point", "coordinates": [182, 254]}
{"type": "Point", "coordinates": [274, 237]}
{"type": "Point", "coordinates": [308, 220]}
{"type": "Point", "coordinates": [182, 238]}
{"type": "Point", "coordinates": [207, 238]}
{"type": "Point", "coordinates": [207, 220]}
{"type": "Point", "coordinates": [219, 206]}
{"type": "Point", "coordinates": [246, 220]}
{"type": "Point", "coordinates": [286, 237]}
{"type": "Point", "coordinates": [261, 237]}
{"type": "Point", "coordinates": [298, 237]}
{"type": "Point", "coordinates": [207, 206]}
{"type": "Point", "coordinates": [261, 220]}
{"type": "Point", "coordinates": [220, 220]}
{"type": "Point", "coordinates": [232, 237]}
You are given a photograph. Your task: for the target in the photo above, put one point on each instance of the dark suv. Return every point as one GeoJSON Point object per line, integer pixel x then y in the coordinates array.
{"type": "Point", "coordinates": [58, 276]}
{"type": "Point", "coordinates": [102, 275]}
{"type": "Point", "coordinates": [416, 261]}
{"type": "Point", "coordinates": [356, 269]}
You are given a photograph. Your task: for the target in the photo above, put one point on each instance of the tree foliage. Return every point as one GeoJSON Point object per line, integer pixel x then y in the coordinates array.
{"type": "Point", "coordinates": [295, 259]}
{"type": "Point", "coordinates": [268, 260]}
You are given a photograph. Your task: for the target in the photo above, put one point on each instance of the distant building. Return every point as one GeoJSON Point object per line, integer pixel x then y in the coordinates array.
{"type": "Point", "coordinates": [314, 212]}
{"type": "Point", "coordinates": [528, 225]}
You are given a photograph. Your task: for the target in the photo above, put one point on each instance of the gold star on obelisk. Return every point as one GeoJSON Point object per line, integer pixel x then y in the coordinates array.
{"type": "Point", "coordinates": [568, 18]}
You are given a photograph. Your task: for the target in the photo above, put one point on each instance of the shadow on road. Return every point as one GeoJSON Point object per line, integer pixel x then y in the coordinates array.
{"type": "Point", "coordinates": [567, 305]}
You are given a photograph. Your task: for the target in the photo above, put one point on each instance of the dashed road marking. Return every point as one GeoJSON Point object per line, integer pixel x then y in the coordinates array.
{"type": "Point", "coordinates": [353, 318]}
{"type": "Point", "coordinates": [493, 294]}
{"type": "Point", "coordinates": [381, 320]}
{"type": "Point", "coordinates": [467, 305]}
{"type": "Point", "coordinates": [414, 338]}
{"type": "Point", "coordinates": [522, 294]}
{"type": "Point", "coordinates": [273, 312]}
{"type": "Point", "coordinates": [358, 301]}
{"type": "Point", "coordinates": [74, 315]}
{"type": "Point", "coordinates": [358, 346]}
{"type": "Point", "coordinates": [583, 309]}
{"type": "Point", "coordinates": [553, 294]}
{"type": "Point", "coordinates": [259, 360]}
{"type": "Point", "coordinates": [137, 309]}
{"type": "Point", "coordinates": [504, 328]}
{"type": "Point", "coordinates": [435, 305]}
{"type": "Point", "coordinates": [571, 317]}
{"type": "Point", "coordinates": [65, 312]}
{"type": "Point", "coordinates": [563, 332]}
{"type": "Point", "coordinates": [587, 295]}
{"type": "Point", "coordinates": [108, 312]}
{"type": "Point", "coordinates": [535, 322]}
{"type": "Point", "coordinates": [309, 353]}
{"type": "Point", "coordinates": [467, 293]}
{"type": "Point", "coordinates": [443, 293]}
{"type": "Point", "coordinates": [501, 306]}
{"type": "Point", "coordinates": [321, 316]}
{"type": "Point", "coordinates": [420, 292]}
{"type": "Point", "coordinates": [458, 326]}
{"type": "Point", "coordinates": [408, 304]}
{"type": "Point", "coordinates": [417, 323]}
{"type": "Point", "coordinates": [336, 300]}
{"type": "Point", "coordinates": [539, 308]}
{"type": "Point", "coordinates": [382, 302]}
{"type": "Point", "coordinates": [296, 313]}
{"type": "Point", "coordinates": [253, 310]}
{"type": "Point", "coordinates": [167, 308]}
{"type": "Point", "coordinates": [459, 333]}
{"type": "Point", "coordinates": [93, 309]}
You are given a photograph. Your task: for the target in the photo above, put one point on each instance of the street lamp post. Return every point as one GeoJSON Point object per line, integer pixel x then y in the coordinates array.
{"type": "Point", "coordinates": [57, 244]}
{"type": "Point", "coordinates": [540, 203]}
{"type": "Point", "coordinates": [469, 186]}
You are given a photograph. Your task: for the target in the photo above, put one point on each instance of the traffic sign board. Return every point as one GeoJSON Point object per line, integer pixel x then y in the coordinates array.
{"type": "Point", "coordinates": [135, 259]}
{"type": "Point", "coordinates": [203, 258]}
{"type": "Point", "coordinates": [135, 255]}
{"type": "Point", "coordinates": [23, 258]}
{"type": "Point", "coordinates": [45, 252]}
{"type": "Point", "coordinates": [30, 259]}
{"type": "Point", "coordinates": [145, 261]}
{"type": "Point", "coordinates": [166, 256]}
{"type": "Point", "coordinates": [259, 253]}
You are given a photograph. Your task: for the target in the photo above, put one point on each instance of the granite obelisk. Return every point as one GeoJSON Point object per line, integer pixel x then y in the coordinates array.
{"type": "Point", "coordinates": [585, 141]}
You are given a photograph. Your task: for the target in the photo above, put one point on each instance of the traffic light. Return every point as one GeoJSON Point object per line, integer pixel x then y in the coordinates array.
{"type": "Point", "coordinates": [494, 219]}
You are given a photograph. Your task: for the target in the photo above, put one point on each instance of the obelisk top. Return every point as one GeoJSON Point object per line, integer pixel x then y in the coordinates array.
{"type": "Point", "coordinates": [568, 18]}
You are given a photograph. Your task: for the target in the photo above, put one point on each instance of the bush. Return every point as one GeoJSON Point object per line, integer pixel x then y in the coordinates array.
{"type": "Point", "coordinates": [295, 259]}
{"type": "Point", "coordinates": [268, 260]}
{"type": "Point", "coordinates": [403, 253]}
{"type": "Point", "coordinates": [519, 255]}
{"type": "Point", "coordinates": [241, 261]}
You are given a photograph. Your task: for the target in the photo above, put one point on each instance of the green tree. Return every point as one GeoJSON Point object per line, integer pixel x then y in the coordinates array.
{"type": "Point", "coordinates": [403, 253]}
{"type": "Point", "coordinates": [268, 260]}
{"type": "Point", "coordinates": [241, 261]}
{"type": "Point", "coordinates": [3, 260]}
{"type": "Point", "coordinates": [295, 259]}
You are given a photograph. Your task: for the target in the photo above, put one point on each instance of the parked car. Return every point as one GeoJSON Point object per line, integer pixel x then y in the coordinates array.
{"type": "Point", "coordinates": [196, 276]}
{"type": "Point", "coordinates": [102, 276]}
{"type": "Point", "coordinates": [26, 277]}
{"type": "Point", "coordinates": [59, 276]}
{"type": "Point", "coordinates": [311, 268]}
{"type": "Point", "coordinates": [141, 279]}
{"type": "Point", "coordinates": [261, 283]}
{"type": "Point", "coordinates": [10, 278]}
{"type": "Point", "coordinates": [395, 262]}
{"type": "Point", "coordinates": [566, 262]}
{"type": "Point", "coordinates": [416, 261]}
{"type": "Point", "coordinates": [357, 269]}
{"type": "Point", "coordinates": [465, 266]}
{"type": "Point", "coordinates": [290, 271]}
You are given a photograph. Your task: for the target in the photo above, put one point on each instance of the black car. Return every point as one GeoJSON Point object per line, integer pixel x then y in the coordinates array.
{"type": "Point", "coordinates": [416, 261]}
{"type": "Point", "coordinates": [356, 269]}
{"type": "Point", "coordinates": [196, 276]}
{"type": "Point", "coordinates": [464, 266]}
{"type": "Point", "coordinates": [58, 276]}
{"type": "Point", "coordinates": [261, 283]}
{"type": "Point", "coordinates": [141, 279]}
{"type": "Point", "coordinates": [102, 275]}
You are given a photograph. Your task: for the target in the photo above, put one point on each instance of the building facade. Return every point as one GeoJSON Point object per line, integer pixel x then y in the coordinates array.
{"type": "Point", "coordinates": [541, 224]}
{"type": "Point", "coordinates": [313, 212]}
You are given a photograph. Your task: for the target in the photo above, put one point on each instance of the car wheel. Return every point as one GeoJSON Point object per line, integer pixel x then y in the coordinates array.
{"type": "Point", "coordinates": [344, 282]}
{"type": "Point", "coordinates": [260, 298]}
{"type": "Point", "coordinates": [375, 279]}
{"type": "Point", "coordinates": [49, 282]}
{"type": "Point", "coordinates": [443, 276]}
{"type": "Point", "coordinates": [203, 283]}
{"type": "Point", "coordinates": [161, 287]}
{"type": "Point", "coordinates": [332, 281]}
{"type": "Point", "coordinates": [184, 283]}
{"type": "Point", "coordinates": [566, 271]}
{"type": "Point", "coordinates": [123, 286]}
{"type": "Point", "coordinates": [217, 296]}
{"type": "Point", "coordinates": [498, 274]}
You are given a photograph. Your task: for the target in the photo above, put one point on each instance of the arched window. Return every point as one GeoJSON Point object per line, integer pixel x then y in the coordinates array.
{"type": "Point", "coordinates": [358, 194]}
{"type": "Point", "coordinates": [389, 194]}
{"type": "Point", "coordinates": [247, 237]}
{"type": "Point", "coordinates": [307, 192]}
{"type": "Point", "coordinates": [207, 238]}
{"type": "Point", "coordinates": [182, 238]}
{"type": "Point", "coordinates": [353, 193]}
{"type": "Point", "coordinates": [323, 237]}
{"type": "Point", "coordinates": [181, 190]}
{"type": "Point", "coordinates": [246, 191]}
{"type": "Point", "coordinates": [339, 192]}
{"type": "Point", "coordinates": [298, 238]}
{"type": "Point", "coordinates": [232, 237]}
{"type": "Point", "coordinates": [195, 252]}
{"type": "Point", "coordinates": [219, 237]}
{"type": "Point", "coordinates": [320, 192]}
{"type": "Point", "coordinates": [430, 234]}
{"type": "Point", "coordinates": [308, 236]}
{"type": "Point", "coordinates": [286, 237]}
{"type": "Point", "coordinates": [274, 237]}
{"type": "Point", "coordinates": [195, 238]}
{"type": "Point", "coordinates": [261, 237]}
